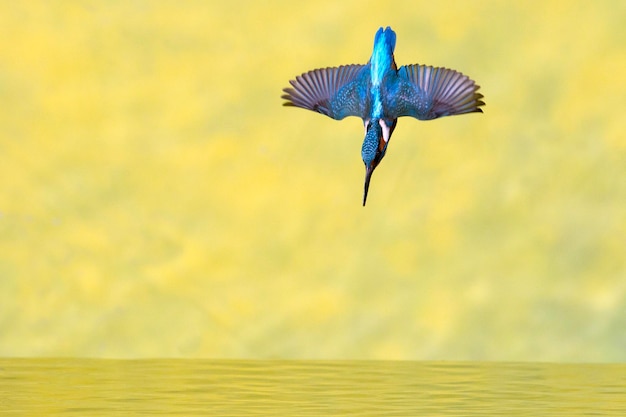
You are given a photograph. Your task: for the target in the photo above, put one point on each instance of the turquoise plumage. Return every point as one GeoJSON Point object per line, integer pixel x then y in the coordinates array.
{"type": "Point", "coordinates": [378, 92]}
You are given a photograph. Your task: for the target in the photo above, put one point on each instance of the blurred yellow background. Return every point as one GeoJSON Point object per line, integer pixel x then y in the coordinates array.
{"type": "Point", "coordinates": [156, 200]}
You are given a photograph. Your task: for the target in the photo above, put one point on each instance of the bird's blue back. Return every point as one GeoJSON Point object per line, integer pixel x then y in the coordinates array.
{"type": "Point", "coordinates": [382, 55]}
{"type": "Point", "coordinates": [381, 67]}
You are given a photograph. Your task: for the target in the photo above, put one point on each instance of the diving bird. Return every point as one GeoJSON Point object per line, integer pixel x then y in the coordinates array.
{"type": "Point", "coordinates": [379, 92]}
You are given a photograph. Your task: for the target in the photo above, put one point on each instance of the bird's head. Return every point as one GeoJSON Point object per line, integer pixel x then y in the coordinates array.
{"type": "Point", "coordinates": [377, 135]}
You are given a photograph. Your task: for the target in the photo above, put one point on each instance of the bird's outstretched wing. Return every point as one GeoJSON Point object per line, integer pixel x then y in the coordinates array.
{"type": "Point", "coordinates": [330, 91]}
{"type": "Point", "coordinates": [426, 92]}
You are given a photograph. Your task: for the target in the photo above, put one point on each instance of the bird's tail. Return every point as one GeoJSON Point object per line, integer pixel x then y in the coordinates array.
{"type": "Point", "coordinates": [387, 36]}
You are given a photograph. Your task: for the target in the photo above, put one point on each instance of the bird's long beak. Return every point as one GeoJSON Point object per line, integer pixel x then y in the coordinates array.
{"type": "Point", "coordinates": [368, 175]}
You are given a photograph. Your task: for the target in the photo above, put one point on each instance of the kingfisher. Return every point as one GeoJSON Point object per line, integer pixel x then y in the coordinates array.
{"type": "Point", "coordinates": [379, 92]}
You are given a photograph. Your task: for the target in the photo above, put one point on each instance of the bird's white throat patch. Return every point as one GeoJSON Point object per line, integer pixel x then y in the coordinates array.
{"type": "Point", "coordinates": [386, 130]}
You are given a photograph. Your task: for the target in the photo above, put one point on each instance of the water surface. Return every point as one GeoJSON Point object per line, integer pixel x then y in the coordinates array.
{"type": "Point", "coordinates": [177, 387]}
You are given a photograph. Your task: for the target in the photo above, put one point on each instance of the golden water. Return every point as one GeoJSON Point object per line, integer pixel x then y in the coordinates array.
{"type": "Point", "coordinates": [97, 387]}
{"type": "Point", "coordinates": [156, 200]}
